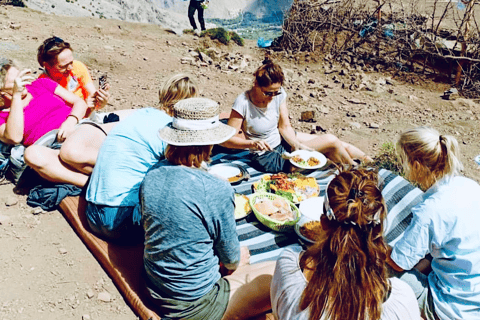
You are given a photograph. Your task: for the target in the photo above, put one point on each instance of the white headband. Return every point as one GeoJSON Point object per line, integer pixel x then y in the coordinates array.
{"type": "Point", "coordinates": [188, 124]}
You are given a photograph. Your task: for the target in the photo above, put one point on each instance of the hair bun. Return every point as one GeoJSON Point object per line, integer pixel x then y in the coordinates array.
{"type": "Point", "coordinates": [267, 61]}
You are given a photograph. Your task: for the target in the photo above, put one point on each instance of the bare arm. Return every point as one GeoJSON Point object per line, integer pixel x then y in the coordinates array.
{"type": "Point", "coordinates": [392, 263]}
{"type": "Point", "coordinates": [237, 141]}
{"type": "Point", "coordinates": [12, 131]}
{"type": "Point", "coordinates": [286, 129]}
{"type": "Point", "coordinates": [79, 108]}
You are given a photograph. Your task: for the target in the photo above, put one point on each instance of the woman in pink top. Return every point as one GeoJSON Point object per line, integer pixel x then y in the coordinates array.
{"type": "Point", "coordinates": [35, 107]}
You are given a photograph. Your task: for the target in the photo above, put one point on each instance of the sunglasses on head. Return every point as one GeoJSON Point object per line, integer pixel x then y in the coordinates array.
{"type": "Point", "coordinates": [50, 43]}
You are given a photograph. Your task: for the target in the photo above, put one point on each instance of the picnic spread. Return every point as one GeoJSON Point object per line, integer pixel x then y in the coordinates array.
{"type": "Point", "coordinates": [124, 264]}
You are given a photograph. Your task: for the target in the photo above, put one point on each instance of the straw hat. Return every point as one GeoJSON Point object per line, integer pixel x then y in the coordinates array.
{"type": "Point", "coordinates": [196, 123]}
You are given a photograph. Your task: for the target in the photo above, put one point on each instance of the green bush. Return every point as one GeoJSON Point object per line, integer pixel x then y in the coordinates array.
{"type": "Point", "coordinates": [188, 31]}
{"type": "Point", "coordinates": [237, 39]}
{"type": "Point", "coordinates": [220, 34]}
{"type": "Point", "coordinates": [387, 159]}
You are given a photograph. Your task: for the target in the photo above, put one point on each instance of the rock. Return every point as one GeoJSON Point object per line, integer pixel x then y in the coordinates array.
{"type": "Point", "coordinates": [15, 25]}
{"type": "Point", "coordinates": [313, 129]}
{"type": "Point", "coordinates": [390, 81]}
{"type": "Point", "coordinates": [374, 125]}
{"type": "Point", "coordinates": [62, 251]}
{"type": "Point", "coordinates": [320, 128]}
{"type": "Point", "coordinates": [184, 44]}
{"type": "Point", "coordinates": [86, 317]}
{"type": "Point", "coordinates": [11, 201]}
{"type": "Point", "coordinates": [288, 74]}
{"type": "Point", "coordinates": [243, 64]}
{"type": "Point", "coordinates": [90, 294]}
{"type": "Point", "coordinates": [311, 81]}
{"type": "Point", "coordinates": [355, 125]}
{"type": "Point", "coordinates": [323, 109]}
{"type": "Point", "coordinates": [307, 116]}
{"type": "Point", "coordinates": [356, 101]}
{"type": "Point", "coordinates": [343, 72]}
{"type": "Point", "coordinates": [381, 82]}
{"type": "Point", "coordinates": [187, 60]}
{"type": "Point", "coordinates": [98, 27]}
{"type": "Point", "coordinates": [104, 296]}
{"type": "Point", "coordinates": [413, 98]}
{"type": "Point", "coordinates": [451, 94]}
{"type": "Point", "coordinates": [205, 58]}
{"type": "Point", "coordinates": [194, 54]}
{"type": "Point", "coordinates": [328, 70]}
{"type": "Point", "coordinates": [110, 48]}
{"type": "Point", "coordinates": [168, 42]}
{"type": "Point", "coordinates": [36, 211]}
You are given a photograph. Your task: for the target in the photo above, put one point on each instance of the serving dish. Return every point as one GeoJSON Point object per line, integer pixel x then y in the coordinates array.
{"type": "Point", "coordinates": [305, 155]}
{"type": "Point", "coordinates": [294, 187]}
{"type": "Point", "coordinates": [303, 220]}
{"type": "Point", "coordinates": [242, 206]}
{"type": "Point", "coordinates": [273, 224]}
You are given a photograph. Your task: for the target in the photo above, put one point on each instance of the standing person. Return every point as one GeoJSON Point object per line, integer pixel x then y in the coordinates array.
{"type": "Point", "coordinates": [262, 114]}
{"type": "Point", "coordinates": [344, 274]}
{"type": "Point", "coordinates": [444, 225]}
{"type": "Point", "coordinates": [128, 152]}
{"type": "Point", "coordinates": [196, 5]}
{"type": "Point", "coordinates": [188, 217]}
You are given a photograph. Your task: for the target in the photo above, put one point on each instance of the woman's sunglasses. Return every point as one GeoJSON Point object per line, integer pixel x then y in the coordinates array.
{"type": "Point", "coordinates": [271, 93]}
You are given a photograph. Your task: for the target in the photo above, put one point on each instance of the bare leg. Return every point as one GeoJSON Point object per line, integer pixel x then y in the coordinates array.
{"type": "Point", "coordinates": [329, 144]}
{"type": "Point", "coordinates": [356, 153]}
{"type": "Point", "coordinates": [80, 149]}
{"type": "Point", "coordinates": [250, 292]}
{"type": "Point", "coordinates": [47, 163]}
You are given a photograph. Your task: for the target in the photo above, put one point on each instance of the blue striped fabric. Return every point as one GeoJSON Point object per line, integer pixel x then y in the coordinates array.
{"type": "Point", "coordinates": [265, 244]}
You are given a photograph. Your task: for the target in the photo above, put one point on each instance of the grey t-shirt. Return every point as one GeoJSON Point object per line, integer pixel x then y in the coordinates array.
{"type": "Point", "coordinates": [289, 282]}
{"type": "Point", "coordinates": [188, 217]}
{"type": "Point", "coordinates": [260, 123]}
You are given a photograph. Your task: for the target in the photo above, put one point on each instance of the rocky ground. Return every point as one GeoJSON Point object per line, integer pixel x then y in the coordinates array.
{"type": "Point", "coordinates": [45, 270]}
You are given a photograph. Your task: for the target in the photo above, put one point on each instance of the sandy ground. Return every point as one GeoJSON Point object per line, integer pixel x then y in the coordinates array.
{"type": "Point", "coordinates": [45, 270]}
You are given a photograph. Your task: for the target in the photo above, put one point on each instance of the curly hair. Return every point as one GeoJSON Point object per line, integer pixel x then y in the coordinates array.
{"type": "Point", "coordinates": [349, 275]}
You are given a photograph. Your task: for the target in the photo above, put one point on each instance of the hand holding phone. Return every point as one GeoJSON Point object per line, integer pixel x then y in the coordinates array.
{"type": "Point", "coordinates": [102, 81]}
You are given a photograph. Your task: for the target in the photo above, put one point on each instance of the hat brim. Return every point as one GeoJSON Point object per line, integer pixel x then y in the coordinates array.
{"type": "Point", "coordinates": [206, 137]}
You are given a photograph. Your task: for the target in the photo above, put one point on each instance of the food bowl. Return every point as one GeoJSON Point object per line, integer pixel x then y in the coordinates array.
{"type": "Point", "coordinates": [275, 225]}
{"type": "Point", "coordinates": [303, 220]}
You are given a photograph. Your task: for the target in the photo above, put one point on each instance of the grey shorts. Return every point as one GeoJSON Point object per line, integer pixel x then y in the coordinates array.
{"type": "Point", "coordinates": [211, 306]}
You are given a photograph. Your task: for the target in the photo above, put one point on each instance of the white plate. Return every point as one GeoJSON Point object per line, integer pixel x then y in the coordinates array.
{"type": "Point", "coordinates": [305, 155]}
{"type": "Point", "coordinates": [228, 170]}
{"type": "Point", "coordinates": [312, 208]}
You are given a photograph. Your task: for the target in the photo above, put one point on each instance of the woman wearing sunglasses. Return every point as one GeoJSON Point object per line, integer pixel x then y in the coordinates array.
{"type": "Point", "coordinates": [262, 114]}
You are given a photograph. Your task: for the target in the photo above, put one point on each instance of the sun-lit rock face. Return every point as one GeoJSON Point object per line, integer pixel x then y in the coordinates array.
{"type": "Point", "coordinates": [168, 13]}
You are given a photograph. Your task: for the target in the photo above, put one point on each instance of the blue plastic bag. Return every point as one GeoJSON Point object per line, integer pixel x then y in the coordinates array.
{"type": "Point", "coordinates": [262, 43]}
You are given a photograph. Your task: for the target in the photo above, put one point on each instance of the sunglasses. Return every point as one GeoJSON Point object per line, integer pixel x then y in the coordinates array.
{"type": "Point", "coordinates": [51, 42]}
{"type": "Point", "coordinates": [271, 93]}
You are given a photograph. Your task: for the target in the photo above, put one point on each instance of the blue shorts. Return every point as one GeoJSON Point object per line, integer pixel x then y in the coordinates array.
{"type": "Point", "coordinates": [114, 223]}
{"type": "Point", "coordinates": [272, 162]}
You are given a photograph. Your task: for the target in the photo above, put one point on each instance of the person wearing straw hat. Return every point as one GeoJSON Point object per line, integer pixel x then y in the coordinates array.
{"type": "Point", "coordinates": [188, 218]}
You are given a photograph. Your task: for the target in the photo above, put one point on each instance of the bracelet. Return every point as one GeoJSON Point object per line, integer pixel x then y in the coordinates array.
{"type": "Point", "coordinates": [72, 115]}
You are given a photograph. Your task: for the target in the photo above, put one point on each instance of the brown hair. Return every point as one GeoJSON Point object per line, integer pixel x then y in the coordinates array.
{"type": "Point", "coordinates": [349, 275]}
{"type": "Point", "coordinates": [50, 49]}
{"type": "Point", "coordinates": [268, 74]}
{"type": "Point", "coordinates": [177, 88]}
{"type": "Point", "coordinates": [428, 156]}
{"type": "Point", "coordinates": [190, 156]}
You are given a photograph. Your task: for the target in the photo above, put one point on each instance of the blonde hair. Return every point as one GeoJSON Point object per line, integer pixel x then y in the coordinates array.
{"type": "Point", "coordinates": [427, 156]}
{"type": "Point", "coordinates": [5, 65]}
{"type": "Point", "coordinates": [177, 88]}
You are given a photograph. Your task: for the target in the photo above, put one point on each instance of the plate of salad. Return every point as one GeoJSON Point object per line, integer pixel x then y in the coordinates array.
{"type": "Point", "coordinates": [294, 186]}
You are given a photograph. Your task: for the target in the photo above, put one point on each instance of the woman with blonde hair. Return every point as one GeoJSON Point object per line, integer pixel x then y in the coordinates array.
{"type": "Point", "coordinates": [188, 217]}
{"type": "Point", "coordinates": [261, 113]}
{"type": "Point", "coordinates": [444, 225]}
{"type": "Point", "coordinates": [344, 274]}
{"type": "Point", "coordinates": [127, 153]}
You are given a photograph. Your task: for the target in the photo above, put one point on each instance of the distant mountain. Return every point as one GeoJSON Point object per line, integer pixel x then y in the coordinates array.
{"type": "Point", "coordinates": [168, 13]}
